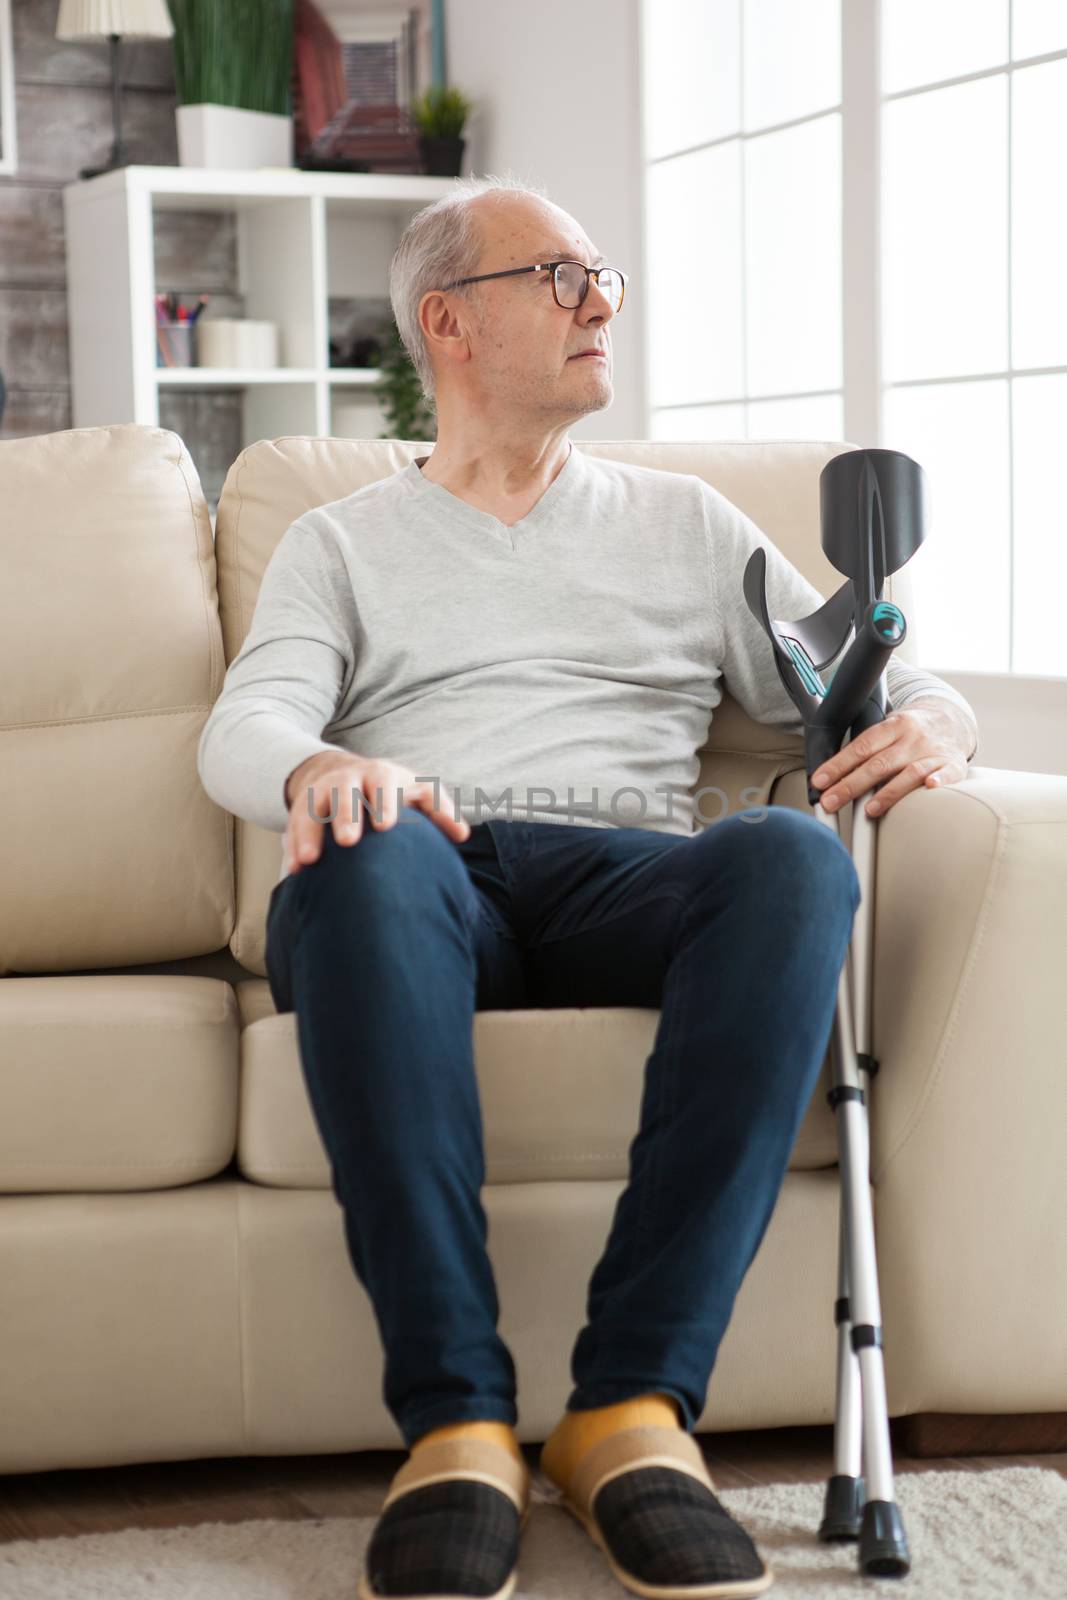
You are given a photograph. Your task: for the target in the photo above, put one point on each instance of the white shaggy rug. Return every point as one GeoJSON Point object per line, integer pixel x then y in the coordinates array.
{"type": "Point", "coordinates": [993, 1535]}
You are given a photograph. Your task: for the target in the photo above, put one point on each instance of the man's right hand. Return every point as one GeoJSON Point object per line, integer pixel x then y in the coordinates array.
{"type": "Point", "coordinates": [383, 783]}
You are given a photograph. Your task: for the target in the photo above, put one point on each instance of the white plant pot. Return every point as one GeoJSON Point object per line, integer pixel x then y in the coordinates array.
{"type": "Point", "coordinates": [230, 136]}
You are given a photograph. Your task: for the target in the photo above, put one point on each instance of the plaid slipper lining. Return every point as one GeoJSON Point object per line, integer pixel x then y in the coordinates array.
{"type": "Point", "coordinates": [449, 1526]}
{"type": "Point", "coordinates": [644, 1495]}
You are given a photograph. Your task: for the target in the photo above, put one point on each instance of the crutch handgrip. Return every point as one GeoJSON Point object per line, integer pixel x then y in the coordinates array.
{"type": "Point", "coordinates": [883, 628]}
{"type": "Point", "coordinates": [855, 696]}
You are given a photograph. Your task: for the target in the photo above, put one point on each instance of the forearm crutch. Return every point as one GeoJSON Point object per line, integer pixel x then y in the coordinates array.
{"type": "Point", "coordinates": [872, 508]}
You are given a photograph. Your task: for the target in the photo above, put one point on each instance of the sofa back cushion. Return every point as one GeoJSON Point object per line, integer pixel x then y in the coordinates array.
{"type": "Point", "coordinates": [111, 660]}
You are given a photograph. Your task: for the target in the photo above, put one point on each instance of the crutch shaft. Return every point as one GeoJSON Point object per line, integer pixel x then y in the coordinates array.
{"type": "Point", "coordinates": [860, 1367]}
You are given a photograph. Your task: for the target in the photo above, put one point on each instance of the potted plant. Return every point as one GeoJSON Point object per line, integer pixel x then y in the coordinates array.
{"type": "Point", "coordinates": [399, 392]}
{"type": "Point", "coordinates": [440, 114]}
{"type": "Point", "coordinates": [233, 62]}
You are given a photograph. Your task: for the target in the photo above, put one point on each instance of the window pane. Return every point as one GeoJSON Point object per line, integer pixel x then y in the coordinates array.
{"type": "Point", "coordinates": [691, 73]}
{"type": "Point", "coordinates": [820, 416]}
{"type": "Point", "coordinates": [945, 239]}
{"type": "Point", "coordinates": [693, 260]}
{"type": "Point", "coordinates": [1038, 26]}
{"type": "Point", "coordinates": [958, 433]}
{"type": "Point", "coordinates": [792, 59]}
{"type": "Point", "coordinates": [1040, 425]}
{"type": "Point", "coordinates": [699, 422]}
{"type": "Point", "coordinates": [1039, 217]}
{"type": "Point", "coordinates": [925, 41]}
{"type": "Point", "coordinates": [793, 258]}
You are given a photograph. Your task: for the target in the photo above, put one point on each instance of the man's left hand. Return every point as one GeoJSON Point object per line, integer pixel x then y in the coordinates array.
{"type": "Point", "coordinates": [925, 745]}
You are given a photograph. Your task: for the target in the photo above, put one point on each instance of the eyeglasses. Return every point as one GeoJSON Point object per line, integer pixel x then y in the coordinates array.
{"type": "Point", "coordinates": [570, 281]}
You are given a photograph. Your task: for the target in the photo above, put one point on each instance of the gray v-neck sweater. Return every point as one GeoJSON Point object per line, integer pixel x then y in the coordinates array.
{"type": "Point", "coordinates": [561, 669]}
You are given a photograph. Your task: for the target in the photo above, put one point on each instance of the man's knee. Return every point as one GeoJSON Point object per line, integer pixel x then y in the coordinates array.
{"type": "Point", "coordinates": [399, 865]}
{"type": "Point", "coordinates": [787, 845]}
{"type": "Point", "coordinates": [811, 850]}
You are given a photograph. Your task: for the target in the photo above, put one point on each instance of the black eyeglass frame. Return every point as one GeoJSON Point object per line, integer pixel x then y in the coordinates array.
{"type": "Point", "coordinates": [550, 266]}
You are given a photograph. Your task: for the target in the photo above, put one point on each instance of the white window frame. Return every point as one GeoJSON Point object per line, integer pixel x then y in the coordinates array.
{"type": "Point", "coordinates": [867, 52]}
{"type": "Point", "coordinates": [8, 138]}
{"type": "Point", "coordinates": [861, 219]}
{"type": "Point", "coordinates": [862, 205]}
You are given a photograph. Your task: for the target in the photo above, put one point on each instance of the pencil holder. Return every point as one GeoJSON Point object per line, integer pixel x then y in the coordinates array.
{"type": "Point", "coordinates": [175, 344]}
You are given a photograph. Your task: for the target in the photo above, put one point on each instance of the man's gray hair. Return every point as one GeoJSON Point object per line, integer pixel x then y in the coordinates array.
{"type": "Point", "coordinates": [441, 243]}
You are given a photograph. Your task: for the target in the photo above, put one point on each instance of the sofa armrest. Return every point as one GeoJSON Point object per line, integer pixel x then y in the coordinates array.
{"type": "Point", "coordinates": [970, 1102]}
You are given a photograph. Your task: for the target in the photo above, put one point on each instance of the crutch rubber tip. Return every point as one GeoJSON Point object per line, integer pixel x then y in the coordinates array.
{"type": "Point", "coordinates": [883, 1548]}
{"type": "Point", "coordinates": [842, 1509]}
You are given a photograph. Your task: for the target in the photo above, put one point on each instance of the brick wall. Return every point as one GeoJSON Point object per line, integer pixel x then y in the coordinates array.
{"type": "Point", "coordinates": [63, 112]}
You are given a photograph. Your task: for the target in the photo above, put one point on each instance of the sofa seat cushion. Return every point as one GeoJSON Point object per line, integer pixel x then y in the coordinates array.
{"type": "Point", "coordinates": [560, 1092]}
{"type": "Point", "coordinates": [116, 1082]}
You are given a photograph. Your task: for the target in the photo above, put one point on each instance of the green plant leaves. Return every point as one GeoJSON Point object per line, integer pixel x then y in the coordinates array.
{"type": "Point", "coordinates": [441, 113]}
{"type": "Point", "coordinates": [233, 53]}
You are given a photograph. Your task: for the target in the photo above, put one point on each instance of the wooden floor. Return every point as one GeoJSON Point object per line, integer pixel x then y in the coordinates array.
{"type": "Point", "coordinates": [170, 1494]}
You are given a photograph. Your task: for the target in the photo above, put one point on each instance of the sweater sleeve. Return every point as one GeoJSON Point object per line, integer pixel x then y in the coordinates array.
{"type": "Point", "coordinates": [746, 655]}
{"type": "Point", "coordinates": [284, 685]}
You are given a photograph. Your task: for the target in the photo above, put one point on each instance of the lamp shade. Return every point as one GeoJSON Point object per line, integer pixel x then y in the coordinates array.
{"type": "Point", "coordinates": [95, 19]}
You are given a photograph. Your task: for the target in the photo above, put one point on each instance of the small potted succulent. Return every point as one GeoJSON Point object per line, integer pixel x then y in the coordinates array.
{"type": "Point", "coordinates": [440, 114]}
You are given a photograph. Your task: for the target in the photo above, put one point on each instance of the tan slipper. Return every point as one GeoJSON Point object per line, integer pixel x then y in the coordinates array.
{"type": "Point", "coordinates": [633, 1491]}
{"type": "Point", "coordinates": [448, 1461]}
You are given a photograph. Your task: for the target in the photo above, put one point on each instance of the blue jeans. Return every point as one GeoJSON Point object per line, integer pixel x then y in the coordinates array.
{"type": "Point", "coordinates": [386, 947]}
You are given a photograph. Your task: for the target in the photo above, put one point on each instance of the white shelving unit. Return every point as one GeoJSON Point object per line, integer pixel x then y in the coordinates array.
{"type": "Point", "coordinates": [303, 238]}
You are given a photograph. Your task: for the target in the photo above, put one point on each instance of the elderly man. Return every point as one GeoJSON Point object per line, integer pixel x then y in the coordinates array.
{"type": "Point", "coordinates": [510, 621]}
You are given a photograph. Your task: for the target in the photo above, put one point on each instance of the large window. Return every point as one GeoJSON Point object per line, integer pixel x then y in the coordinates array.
{"type": "Point", "coordinates": [856, 229]}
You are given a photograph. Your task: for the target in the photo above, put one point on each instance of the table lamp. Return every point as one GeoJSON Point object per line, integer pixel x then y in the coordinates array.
{"type": "Point", "coordinates": [88, 20]}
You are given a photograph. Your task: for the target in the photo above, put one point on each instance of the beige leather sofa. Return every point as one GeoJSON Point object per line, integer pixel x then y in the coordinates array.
{"type": "Point", "coordinates": [174, 1281]}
